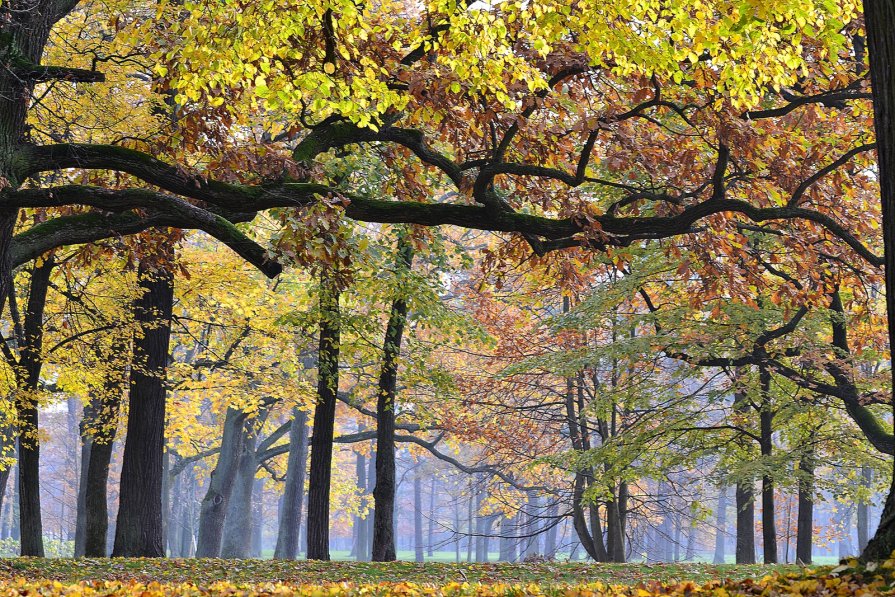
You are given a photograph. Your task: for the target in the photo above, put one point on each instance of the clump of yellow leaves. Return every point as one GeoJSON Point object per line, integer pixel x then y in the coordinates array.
{"type": "Point", "coordinates": [847, 579]}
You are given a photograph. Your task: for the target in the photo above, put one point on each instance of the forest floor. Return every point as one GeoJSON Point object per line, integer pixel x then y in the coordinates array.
{"type": "Point", "coordinates": [264, 578]}
{"type": "Point", "coordinates": [304, 572]}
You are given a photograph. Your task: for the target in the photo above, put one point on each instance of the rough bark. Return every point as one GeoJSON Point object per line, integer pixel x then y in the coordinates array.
{"type": "Point", "coordinates": [384, 490]}
{"type": "Point", "coordinates": [238, 523]}
{"type": "Point", "coordinates": [324, 420]}
{"type": "Point", "coordinates": [294, 492]}
{"type": "Point", "coordinates": [138, 528]}
{"type": "Point", "coordinates": [745, 505]}
{"type": "Point", "coordinates": [220, 487]}
{"type": "Point", "coordinates": [879, 20]}
{"type": "Point", "coordinates": [26, 402]}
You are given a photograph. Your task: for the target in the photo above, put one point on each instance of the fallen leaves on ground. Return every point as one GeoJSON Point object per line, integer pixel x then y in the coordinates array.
{"type": "Point", "coordinates": [847, 579]}
{"type": "Point", "coordinates": [207, 571]}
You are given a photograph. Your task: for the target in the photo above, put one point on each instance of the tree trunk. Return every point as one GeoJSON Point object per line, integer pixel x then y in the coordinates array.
{"type": "Point", "coordinates": [80, 507]}
{"type": "Point", "coordinates": [507, 548]}
{"type": "Point", "coordinates": [551, 534]}
{"type": "Point", "coordinates": [258, 518]}
{"type": "Point", "coordinates": [384, 490]}
{"type": "Point", "coordinates": [745, 505]}
{"type": "Point", "coordinates": [138, 529]}
{"type": "Point", "coordinates": [186, 513]}
{"type": "Point", "coordinates": [615, 535]}
{"type": "Point", "coordinates": [324, 420]}
{"type": "Point", "coordinates": [768, 508]}
{"type": "Point", "coordinates": [31, 363]}
{"type": "Point", "coordinates": [879, 21]}
{"type": "Point", "coordinates": [220, 486]}
{"type": "Point", "coordinates": [430, 543]}
{"type": "Point", "coordinates": [237, 537]}
{"type": "Point", "coordinates": [863, 509]}
{"type": "Point", "coordinates": [98, 428]}
{"type": "Point", "coordinates": [294, 493]}
{"type": "Point", "coordinates": [721, 527]}
{"type": "Point", "coordinates": [418, 518]}
{"type": "Point", "coordinates": [805, 521]}
{"type": "Point", "coordinates": [359, 549]}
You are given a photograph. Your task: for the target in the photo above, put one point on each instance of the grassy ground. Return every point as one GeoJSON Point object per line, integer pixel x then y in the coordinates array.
{"type": "Point", "coordinates": [262, 571]}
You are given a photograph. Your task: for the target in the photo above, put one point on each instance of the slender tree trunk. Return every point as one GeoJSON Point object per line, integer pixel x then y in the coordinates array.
{"type": "Point", "coordinates": [99, 427]}
{"type": "Point", "coordinates": [359, 549]}
{"type": "Point", "coordinates": [879, 22]}
{"type": "Point", "coordinates": [418, 518]}
{"type": "Point", "coordinates": [430, 543]}
{"type": "Point", "coordinates": [220, 486]}
{"type": "Point", "coordinates": [805, 521]}
{"type": "Point", "coordinates": [551, 535]}
{"type": "Point", "coordinates": [138, 529]}
{"type": "Point", "coordinates": [384, 491]}
{"type": "Point", "coordinates": [745, 501]}
{"type": "Point", "coordinates": [721, 527]}
{"type": "Point", "coordinates": [324, 420]}
{"type": "Point", "coordinates": [863, 509]}
{"type": "Point", "coordinates": [768, 508]}
{"type": "Point", "coordinates": [481, 523]}
{"type": "Point", "coordinates": [186, 514]}
{"type": "Point", "coordinates": [294, 493]}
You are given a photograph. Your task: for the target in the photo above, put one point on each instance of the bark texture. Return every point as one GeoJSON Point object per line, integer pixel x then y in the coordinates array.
{"type": "Point", "coordinates": [138, 529]}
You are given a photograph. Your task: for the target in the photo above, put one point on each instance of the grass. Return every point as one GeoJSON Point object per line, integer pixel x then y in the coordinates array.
{"type": "Point", "coordinates": [430, 573]}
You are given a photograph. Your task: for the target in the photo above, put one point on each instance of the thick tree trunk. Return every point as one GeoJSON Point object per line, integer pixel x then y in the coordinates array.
{"type": "Point", "coordinates": [507, 548]}
{"type": "Point", "coordinates": [81, 505]}
{"type": "Point", "coordinates": [258, 518]}
{"type": "Point", "coordinates": [805, 522]}
{"type": "Point", "coordinates": [294, 493]}
{"type": "Point", "coordinates": [721, 527]}
{"type": "Point", "coordinates": [615, 535]}
{"type": "Point", "coordinates": [138, 529]}
{"type": "Point", "coordinates": [879, 21]}
{"type": "Point", "coordinates": [384, 491]}
{"type": "Point", "coordinates": [531, 545]}
{"type": "Point", "coordinates": [324, 421]}
{"type": "Point", "coordinates": [220, 487]}
{"type": "Point", "coordinates": [31, 363]}
{"type": "Point", "coordinates": [745, 506]}
{"type": "Point", "coordinates": [238, 523]}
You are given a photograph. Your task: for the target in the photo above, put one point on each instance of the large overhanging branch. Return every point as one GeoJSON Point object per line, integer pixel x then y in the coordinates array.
{"type": "Point", "coordinates": [607, 229]}
{"type": "Point", "coordinates": [158, 209]}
